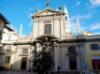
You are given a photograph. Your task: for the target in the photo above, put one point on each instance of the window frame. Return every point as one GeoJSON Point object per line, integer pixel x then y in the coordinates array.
{"type": "Point", "coordinates": [70, 50]}
{"type": "Point", "coordinates": [94, 46]}
{"type": "Point", "coordinates": [48, 29]}
{"type": "Point", "coordinates": [8, 58]}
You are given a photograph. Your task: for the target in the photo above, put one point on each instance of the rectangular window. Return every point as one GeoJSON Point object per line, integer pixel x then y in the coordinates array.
{"type": "Point", "coordinates": [8, 49]}
{"type": "Point", "coordinates": [47, 29]}
{"type": "Point", "coordinates": [71, 49]}
{"type": "Point", "coordinates": [94, 46]}
{"type": "Point", "coordinates": [8, 59]}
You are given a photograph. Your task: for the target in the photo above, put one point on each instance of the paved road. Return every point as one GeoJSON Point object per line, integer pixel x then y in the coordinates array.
{"type": "Point", "coordinates": [13, 72]}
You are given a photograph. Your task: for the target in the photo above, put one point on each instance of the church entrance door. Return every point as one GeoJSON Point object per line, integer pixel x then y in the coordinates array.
{"type": "Point", "coordinates": [23, 63]}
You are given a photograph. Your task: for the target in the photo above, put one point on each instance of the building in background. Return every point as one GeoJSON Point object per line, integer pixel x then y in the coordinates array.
{"type": "Point", "coordinates": [4, 22]}
{"type": "Point", "coordinates": [8, 51]}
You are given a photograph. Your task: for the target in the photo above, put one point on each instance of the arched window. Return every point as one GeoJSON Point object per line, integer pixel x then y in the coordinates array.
{"type": "Point", "coordinates": [47, 29]}
{"type": "Point", "coordinates": [94, 46]}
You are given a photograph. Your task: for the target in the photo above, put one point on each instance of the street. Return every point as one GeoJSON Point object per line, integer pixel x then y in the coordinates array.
{"type": "Point", "coordinates": [15, 72]}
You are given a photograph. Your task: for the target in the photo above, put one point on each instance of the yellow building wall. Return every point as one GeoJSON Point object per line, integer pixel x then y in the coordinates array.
{"type": "Point", "coordinates": [90, 54]}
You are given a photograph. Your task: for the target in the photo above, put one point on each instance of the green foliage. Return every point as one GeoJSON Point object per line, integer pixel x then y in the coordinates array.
{"type": "Point", "coordinates": [43, 62]}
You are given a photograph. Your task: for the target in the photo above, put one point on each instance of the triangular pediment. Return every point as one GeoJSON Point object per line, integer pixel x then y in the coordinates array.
{"type": "Point", "coordinates": [48, 12]}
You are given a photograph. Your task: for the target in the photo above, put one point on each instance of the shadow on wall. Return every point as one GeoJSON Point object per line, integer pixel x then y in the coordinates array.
{"type": "Point", "coordinates": [10, 60]}
{"type": "Point", "coordinates": [2, 53]}
{"type": "Point", "coordinates": [20, 60]}
{"type": "Point", "coordinates": [19, 65]}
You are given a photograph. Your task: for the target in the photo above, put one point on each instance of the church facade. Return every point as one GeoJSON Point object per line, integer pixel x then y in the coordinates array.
{"type": "Point", "coordinates": [69, 54]}
{"type": "Point", "coordinates": [51, 22]}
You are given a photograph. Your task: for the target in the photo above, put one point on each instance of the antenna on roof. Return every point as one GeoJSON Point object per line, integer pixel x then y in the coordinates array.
{"type": "Point", "coordinates": [47, 3]}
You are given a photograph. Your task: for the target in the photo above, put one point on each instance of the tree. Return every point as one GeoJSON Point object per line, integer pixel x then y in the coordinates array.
{"type": "Point", "coordinates": [43, 61]}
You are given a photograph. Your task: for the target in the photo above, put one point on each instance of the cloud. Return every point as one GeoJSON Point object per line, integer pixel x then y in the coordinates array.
{"type": "Point", "coordinates": [73, 25]}
{"type": "Point", "coordinates": [97, 33]}
{"type": "Point", "coordinates": [95, 2]}
{"type": "Point", "coordinates": [73, 22]}
{"type": "Point", "coordinates": [85, 16]}
{"type": "Point", "coordinates": [78, 3]}
{"type": "Point", "coordinates": [82, 17]}
{"type": "Point", "coordinates": [95, 26]}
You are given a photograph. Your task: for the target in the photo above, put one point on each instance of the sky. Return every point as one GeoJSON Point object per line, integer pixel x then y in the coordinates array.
{"type": "Point", "coordinates": [19, 13]}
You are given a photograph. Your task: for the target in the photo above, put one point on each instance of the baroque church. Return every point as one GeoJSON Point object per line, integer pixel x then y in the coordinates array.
{"type": "Point", "coordinates": [70, 53]}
